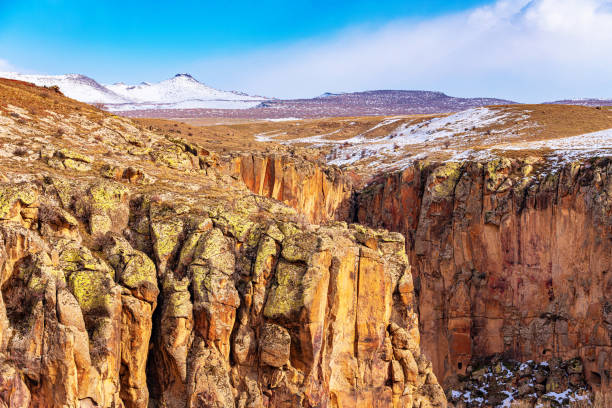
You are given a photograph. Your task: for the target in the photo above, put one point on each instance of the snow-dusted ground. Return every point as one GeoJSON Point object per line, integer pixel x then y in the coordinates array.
{"type": "Point", "coordinates": [456, 128]}
{"type": "Point", "coordinates": [190, 104]}
{"type": "Point", "coordinates": [571, 147]}
{"type": "Point", "coordinates": [394, 145]}
{"type": "Point", "coordinates": [500, 379]}
{"type": "Point", "coordinates": [473, 134]}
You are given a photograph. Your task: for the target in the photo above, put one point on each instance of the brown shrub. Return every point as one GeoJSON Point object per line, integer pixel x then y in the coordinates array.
{"type": "Point", "coordinates": [20, 151]}
{"type": "Point", "coordinates": [54, 88]}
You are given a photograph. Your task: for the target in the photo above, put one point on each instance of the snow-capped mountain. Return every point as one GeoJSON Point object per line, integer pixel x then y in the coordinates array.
{"type": "Point", "coordinates": [75, 86]}
{"type": "Point", "coordinates": [180, 92]}
{"type": "Point", "coordinates": [178, 89]}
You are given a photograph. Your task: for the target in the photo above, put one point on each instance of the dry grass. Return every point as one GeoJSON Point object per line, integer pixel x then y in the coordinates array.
{"type": "Point", "coordinates": [37, 99]}
{"type": "Point", "coordinates": [528, 123]}
{"type": "Point", "coordinates": [232, 135]}
{"type": "Point", "coordinates": [241, 135]}
{"type": "Point", "coordinates": [554, 121]}
{"type": "Point", "coordinates": [559, 121]}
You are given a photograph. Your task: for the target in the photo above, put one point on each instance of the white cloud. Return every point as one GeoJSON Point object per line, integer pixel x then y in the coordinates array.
{"type": "Point", "coordinates": [524, 50]}
{"type": "Point", "coordinates": [5, 66]}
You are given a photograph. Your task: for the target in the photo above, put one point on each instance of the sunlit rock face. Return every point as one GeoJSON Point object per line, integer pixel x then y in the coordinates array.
{"type": "Point", "coordinates": [509, 256]}
{"type": "Point", "coordinates": [134, 272]}
{"type": "Point", "coordinates": [141, 269]}
{"type": "Point", "coordinates": [207, 309]}
{"type": "Point", "coordinates": [319, 192]}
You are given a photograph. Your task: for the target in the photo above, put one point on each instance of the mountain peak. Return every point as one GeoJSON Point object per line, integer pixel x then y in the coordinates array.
{"type": "Point", "coordinates": [185, 76]}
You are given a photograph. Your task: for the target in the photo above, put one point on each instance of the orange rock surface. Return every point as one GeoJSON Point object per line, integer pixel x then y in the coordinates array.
{"type": "Point", "coordinates": [508, 256]}
{"type": "Point", "coordinates": [180, 288]}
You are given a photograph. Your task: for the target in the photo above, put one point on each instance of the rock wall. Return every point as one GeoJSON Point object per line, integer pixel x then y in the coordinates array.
{"type": "Point", "coordinates": [319, 192]}
{"type": "Point", "coordinates": [112, 297]}
{"type": "Point", "coordinates": [509, 256]}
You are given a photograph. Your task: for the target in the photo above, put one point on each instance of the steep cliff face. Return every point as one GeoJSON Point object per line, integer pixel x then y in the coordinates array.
{"type": "Point", "coordinates": [319, 192]}
{"type": "Point", "coordinates": [267, 313]}
{"type": "Point", "coordinates": [136, 269]}
{"type": "Point", "coordinates": [509, 256]}
{"type": "Point", "coordinates": [134, 274]}
{"type": "Point", "coordinates": [512, 256]}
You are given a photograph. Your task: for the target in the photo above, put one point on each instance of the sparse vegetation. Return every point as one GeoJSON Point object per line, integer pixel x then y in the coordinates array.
{"type": "Point", "coordinates": [20, 152]}
{"type": "Point", "coordinates": [59, 133]}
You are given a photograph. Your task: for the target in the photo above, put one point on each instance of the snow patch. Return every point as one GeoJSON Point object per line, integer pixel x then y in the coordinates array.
{"type": "Point", "coordinates": [268, 136]}
{"type": "Point", "coordinates": [459, 125]}
{"type": "Point", "coordinates": [282, 119]}
{"type": "Point", "coordinates": [573, 147]}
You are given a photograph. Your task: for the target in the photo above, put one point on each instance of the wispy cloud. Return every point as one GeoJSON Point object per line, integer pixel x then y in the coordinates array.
{"type": "Point", "coordinates": [520, 49]}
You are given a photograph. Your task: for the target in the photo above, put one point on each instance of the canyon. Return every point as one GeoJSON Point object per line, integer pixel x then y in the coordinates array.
{"type": "Point", "coordinates": [142, 267]}
{"type": "Point", "coordinates": [136, 273]}
{"type": "Point", "coordinates": [507, 261]}
{"type": "Point", "coordinates": [509, 257]}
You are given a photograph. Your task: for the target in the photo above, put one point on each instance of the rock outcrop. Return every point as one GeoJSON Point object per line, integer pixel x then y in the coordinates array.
{"type": "Point", "coordinates": [141, 276]}
{"type": "Point", "coordinates": [322, 193]}
{"type": "Point", "coordinates": [137, 269]}
{"type": "Point", "coordinates": [228, 311]}
{"type": "Point", "coordinates": [509, 256]}
{"type": "Point", "coordinates": [497, 381]}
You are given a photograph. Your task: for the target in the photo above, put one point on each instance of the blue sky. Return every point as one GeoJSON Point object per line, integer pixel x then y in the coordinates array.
{"type": "Point", "coordinates": [136, 40]}
{"type": "Point", "coordinates": [527, 50]}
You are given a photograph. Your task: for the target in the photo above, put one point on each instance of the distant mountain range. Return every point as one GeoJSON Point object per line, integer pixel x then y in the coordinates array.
{"type": "Point", "coordinates": [184, 96]}
{"type": "Point", "coordinates": [584, 102]}
{"type": "Point", "coordinates": [382, 102]}
{"type": "Point", "coordinates": [180, 92]}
